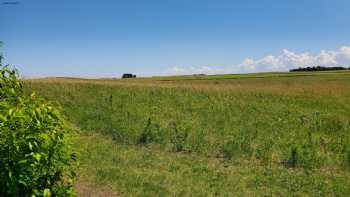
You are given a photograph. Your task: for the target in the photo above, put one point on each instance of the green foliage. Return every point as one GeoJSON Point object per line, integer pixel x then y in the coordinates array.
{"type": "Point", "coordinates": [347, 155]}
{"type": "Point", "coordinates": [152, 133]}
{"type": "Point", "coordinates": [149, 133]}
{"type": "Point", "coordinates": [237, 146]}
{"type": "Point", "coordinates": [302, 156]}
{"type": "Point", "coordinates": [293, 160]}
{"type": "Point", "coordinates": [235, 149]}
{"type": "Point", "coordinates": [264, 151]}
{"type": "Point", "coordinates": [34, 152]}
{"type": "Point", "coordinates": [178, 138]}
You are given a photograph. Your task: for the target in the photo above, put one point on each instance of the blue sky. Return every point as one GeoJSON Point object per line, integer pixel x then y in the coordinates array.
{"type": "Point", "coordinates": [107, 38]}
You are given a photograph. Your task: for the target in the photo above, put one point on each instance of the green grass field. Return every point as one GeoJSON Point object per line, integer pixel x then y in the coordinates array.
{"type": "Point", "coordinates": [281, 134]}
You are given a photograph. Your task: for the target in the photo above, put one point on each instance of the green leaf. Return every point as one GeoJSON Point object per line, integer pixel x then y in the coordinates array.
{"type": "Point", "coordinates": [10, 112]}
{"type": "Point", "coordinates": [47, 193]}
{"type": "Point", "coordinates": [23, 161]}
{"type": "Point", "coordinates": [37, 156]}
{"type": "Point", "coordinates": [2, 118]}
{"type": "Point", "coordinates": [30, 146]}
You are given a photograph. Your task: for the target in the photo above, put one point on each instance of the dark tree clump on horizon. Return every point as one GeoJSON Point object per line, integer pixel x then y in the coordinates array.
{"type": "Point", "coordinates": [318, 68]}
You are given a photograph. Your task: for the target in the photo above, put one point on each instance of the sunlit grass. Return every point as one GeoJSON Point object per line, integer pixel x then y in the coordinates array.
{"type": "Point", "coordinates": [255, 134]}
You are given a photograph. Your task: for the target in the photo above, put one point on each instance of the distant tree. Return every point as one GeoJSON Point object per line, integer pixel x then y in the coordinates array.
{"type": "Point", "coordinates": [317, 68]}
{"type": "Point", "coordinates": [128, 75]}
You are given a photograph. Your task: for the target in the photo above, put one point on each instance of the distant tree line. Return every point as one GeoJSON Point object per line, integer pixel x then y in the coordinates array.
{"type": "Point", "coordinates": [318, 68]}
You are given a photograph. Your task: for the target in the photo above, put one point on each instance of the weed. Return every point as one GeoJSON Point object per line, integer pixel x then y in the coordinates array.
{"type": "Point", "coordinates": [237, 146]}
{"type": "Point", "coordinates": [292, 162]}
{"type": "Point", "coordinates": [347, 155]}
{"type": "Point", "coordinates": [146, 135]}
{"type": "Point", "coordinates": [178, 138]}
{"type": "Point", "coordinates": [263, 152]}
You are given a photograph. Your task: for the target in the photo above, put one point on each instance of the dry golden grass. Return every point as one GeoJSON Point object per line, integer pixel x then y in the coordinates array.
{"type": "Point", "coordinates": [325, 84]}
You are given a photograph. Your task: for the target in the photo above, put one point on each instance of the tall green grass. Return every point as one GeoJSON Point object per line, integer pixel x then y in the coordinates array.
{"type": "Point", "coordinates": [291, 128]}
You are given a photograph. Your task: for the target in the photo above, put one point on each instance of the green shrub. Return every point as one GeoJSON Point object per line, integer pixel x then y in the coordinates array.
{"type": "Point", "coordinates": [347, 155]}
{"type": "Point", "coordinates": [263, 151]}
{"type": "Point", "coordinates": [230, 149]}
{"type": "Point", "coordinates": [304, 156]}
{"type": "Point", "coordinates": [239, 145]}
{"type": "Point", "coordinates": [293, 157]}
{"type": "Point", "coordinates": [152, 133]}
{"type": "Point", "coordinates": [178, 138]}
{"type": "Point", "coordinates": [35, 156]}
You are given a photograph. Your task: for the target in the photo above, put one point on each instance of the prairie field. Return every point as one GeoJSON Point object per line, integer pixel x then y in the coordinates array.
{"type": "Point", "coordinates": [279, 134]}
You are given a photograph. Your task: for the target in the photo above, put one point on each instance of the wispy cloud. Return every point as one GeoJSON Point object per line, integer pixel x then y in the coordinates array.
{"type": "Point", "coordinates": [282, 62]}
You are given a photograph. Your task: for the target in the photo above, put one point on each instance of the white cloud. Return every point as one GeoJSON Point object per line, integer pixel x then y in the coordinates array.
{"type": "Point", "coordinates": [282, 62]}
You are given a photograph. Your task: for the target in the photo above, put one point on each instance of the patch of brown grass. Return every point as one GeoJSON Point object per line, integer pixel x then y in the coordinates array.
{"type": "Point", "coordinates": [86, 189]}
